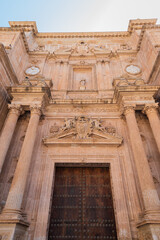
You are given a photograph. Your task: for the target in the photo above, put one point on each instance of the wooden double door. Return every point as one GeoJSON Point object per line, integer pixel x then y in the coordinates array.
{"type": "Point", "coordinates": [82, 206]}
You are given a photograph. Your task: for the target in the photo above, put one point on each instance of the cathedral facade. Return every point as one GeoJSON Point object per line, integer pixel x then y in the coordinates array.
{"type": "Point", "coordinates": [80, 133]}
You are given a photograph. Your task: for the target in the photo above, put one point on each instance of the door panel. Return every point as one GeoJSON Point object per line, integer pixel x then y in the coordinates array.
{"type": "Point", "coordinates": [82, 206]}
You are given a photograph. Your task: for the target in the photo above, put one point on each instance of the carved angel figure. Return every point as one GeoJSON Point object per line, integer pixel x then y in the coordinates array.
{"type": "Point", "coordinates": [97, 124]}
{"type": "Point", "coordinates": [68, 124]}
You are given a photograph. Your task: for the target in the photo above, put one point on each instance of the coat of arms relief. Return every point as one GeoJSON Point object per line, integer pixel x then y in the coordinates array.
{"type": "Point", "coordinates": [83, 130]}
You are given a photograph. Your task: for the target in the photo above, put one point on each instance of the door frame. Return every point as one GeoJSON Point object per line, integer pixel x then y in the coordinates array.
{"type": "Point", "coordinates": [117, 188]}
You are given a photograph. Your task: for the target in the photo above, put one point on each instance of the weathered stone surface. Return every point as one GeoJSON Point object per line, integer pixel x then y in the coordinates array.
{"type": "Point", "coordinates": [86, 98]}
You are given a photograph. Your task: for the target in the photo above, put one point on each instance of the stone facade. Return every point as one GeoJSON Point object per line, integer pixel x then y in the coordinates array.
{"type": "Point", "coordinates": [79, 98]}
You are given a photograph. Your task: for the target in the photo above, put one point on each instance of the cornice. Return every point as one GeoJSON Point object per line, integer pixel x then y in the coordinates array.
{"type": "Point", "coordinates": [82, 34]}
{"type": "Point", "coordinates": [31, 26]}
{"type": "Point", "coordinates": [27, 26]}
{"type": "Point", "coordinates": [21, 31]}
{"type": "Point", "coordinates": [138, 95]}
{"type": "Point", "coordinates": [66, 34]}
{"type": "Point", "coordinates": [137, 24]}
{"type": "Point", "coordinates": [4, 59]}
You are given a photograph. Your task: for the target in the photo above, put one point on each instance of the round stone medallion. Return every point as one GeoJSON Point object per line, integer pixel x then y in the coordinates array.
{"type": "Point", "coordinates": [32, 70]}
{"type": "Point", "coordinates": [133, 69]}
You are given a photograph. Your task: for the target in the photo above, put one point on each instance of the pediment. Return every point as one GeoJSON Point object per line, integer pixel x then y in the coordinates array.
{"type": "Point", "coordinates": [83, 130]}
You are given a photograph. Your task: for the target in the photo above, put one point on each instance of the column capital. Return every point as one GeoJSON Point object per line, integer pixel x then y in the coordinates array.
{"type": "Point", "coordinates": [15, 108]}
{"type": "Point", "coordinates": [36, 109]}
{"type": "Point", "coordinates": [128, 109]}
{"type": "Point", "coordinates": [150, 108]}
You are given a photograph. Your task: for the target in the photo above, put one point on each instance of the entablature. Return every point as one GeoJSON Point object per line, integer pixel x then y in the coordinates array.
{"type": "Point", "coordinates": [138, 96]}
{"type": "Point", "coordinates": [30, 92]}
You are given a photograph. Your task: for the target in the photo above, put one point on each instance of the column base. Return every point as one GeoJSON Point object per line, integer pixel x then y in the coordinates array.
{"type": "Point", "coordinates": [13, 215]}
{"type": "Point", "coordinates": [149, 226]}
{"type": "Point", "coordinates": [13, 225]}
{"type": "Point", "coordinates": [12, 231]}
{"type": "Point", "coordinates": [149, 231]}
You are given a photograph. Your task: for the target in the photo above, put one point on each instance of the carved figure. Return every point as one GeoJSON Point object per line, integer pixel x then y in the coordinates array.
{"type": "Point", "coordinates": [54, 129]}
{"type": "Point", "coordinates": [97, 124]}
{"type": "Point", "coordinates": [82, 84]}
{"type": "Point", "coordinates": [68, 124]}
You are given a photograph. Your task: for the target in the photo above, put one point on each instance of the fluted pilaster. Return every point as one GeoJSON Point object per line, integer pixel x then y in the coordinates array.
{"type": "Point", "coordinates": [99, 75]}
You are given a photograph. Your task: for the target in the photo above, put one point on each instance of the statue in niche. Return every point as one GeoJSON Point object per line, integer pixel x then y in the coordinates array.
{"type": "Point", "coordinates": [82, 84]}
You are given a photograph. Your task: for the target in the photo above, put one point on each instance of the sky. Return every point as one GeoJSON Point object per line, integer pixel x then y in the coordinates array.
{"type": "Point", "coordinates": [78, 15]}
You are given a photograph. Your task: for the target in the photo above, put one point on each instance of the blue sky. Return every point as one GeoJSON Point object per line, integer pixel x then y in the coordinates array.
{"type": "Point", "coordinates": [78, 15]}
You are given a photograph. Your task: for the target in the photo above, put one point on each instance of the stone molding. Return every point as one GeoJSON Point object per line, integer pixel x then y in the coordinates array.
{"type": "Point", "coordinates": [26, 25]}
{"type": "Point", "coordinates": [31, 26]}
{"type": "Point", "coordinates": [139, 23]}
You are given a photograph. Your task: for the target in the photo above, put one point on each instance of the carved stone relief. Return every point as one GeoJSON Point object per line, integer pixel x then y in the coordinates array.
{"type": "Point", "coordinates": [83, 128]}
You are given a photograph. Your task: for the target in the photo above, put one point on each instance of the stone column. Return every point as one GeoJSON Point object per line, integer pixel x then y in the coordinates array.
{"type": "Point", "coordinates": [8, 130]}
{"type": "Point", "coordinates": [149, 193]}
{"type": "Point", "coordinates": [15, 196]}
{"type": "Point", "coordinates": [152, 114]}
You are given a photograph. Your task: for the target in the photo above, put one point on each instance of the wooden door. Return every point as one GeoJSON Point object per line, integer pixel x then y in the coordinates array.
{"type": "Point", "coordinates": [82, 206]}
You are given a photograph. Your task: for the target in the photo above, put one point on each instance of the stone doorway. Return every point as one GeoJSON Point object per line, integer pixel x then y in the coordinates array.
{"type": "Point", "coordinates": [82, 206]}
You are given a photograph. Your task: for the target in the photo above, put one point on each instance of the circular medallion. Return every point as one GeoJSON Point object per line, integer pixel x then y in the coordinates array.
{"type": "Point", "coordinates": [133, 69]}
{"type": "Point", "coordinates": [32, 70]}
